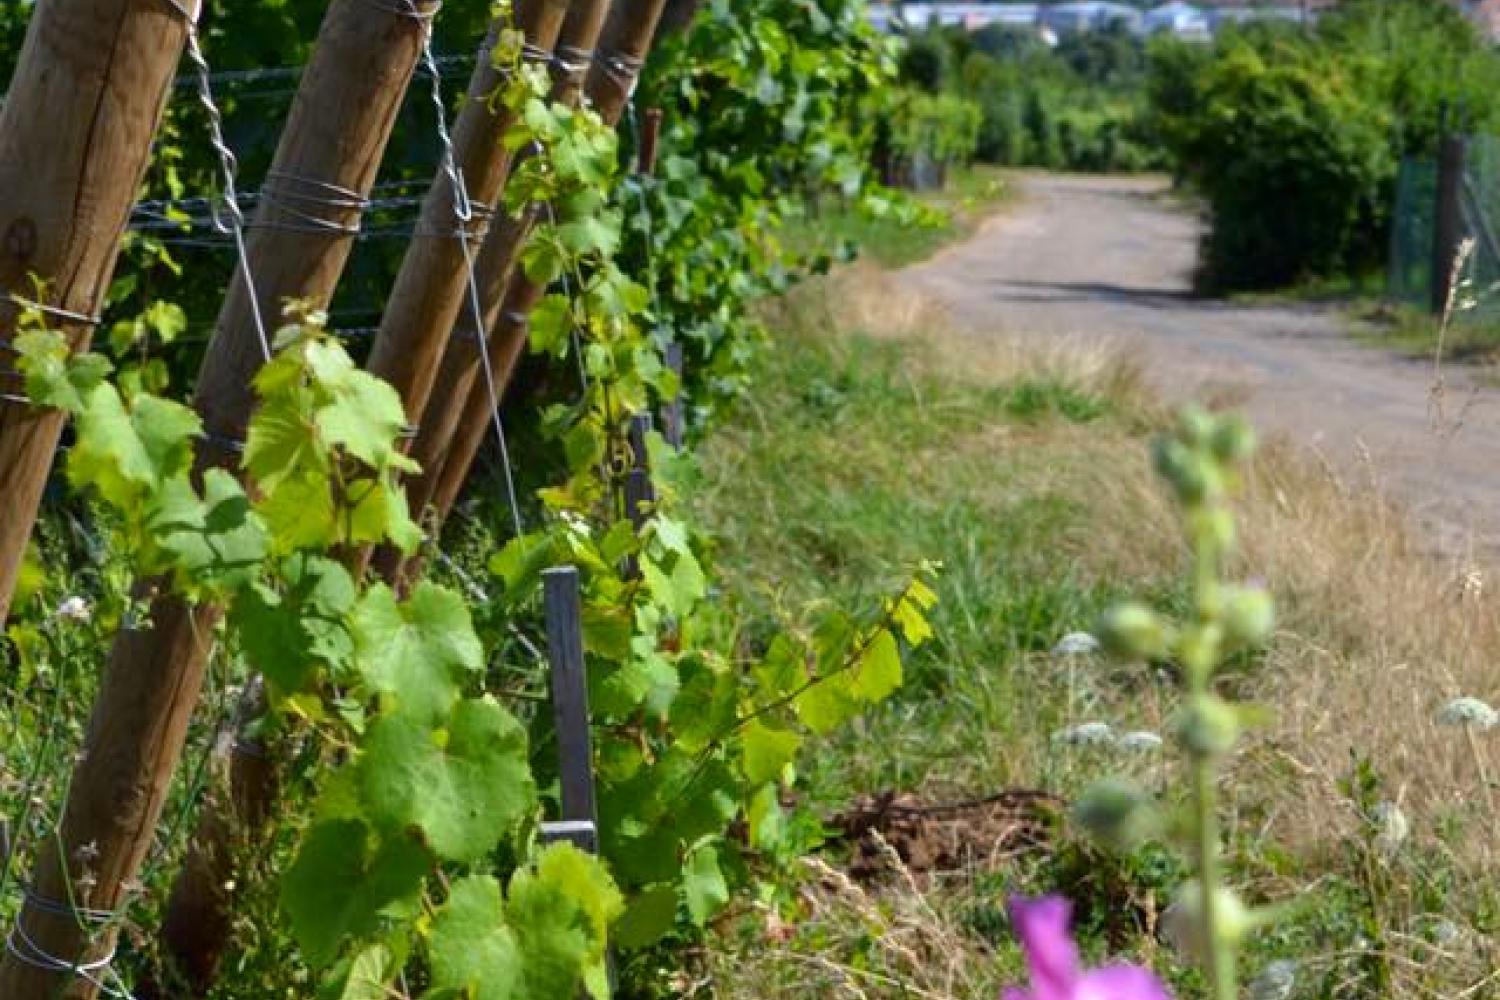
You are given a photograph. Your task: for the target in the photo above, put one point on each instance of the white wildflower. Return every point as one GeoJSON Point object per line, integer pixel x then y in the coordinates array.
{"type": "Point", "coordinates": [1086, 734]}
{"type": "Point", "coordinates": [1139, 741]}
{"type": "Point", "coordinates": [1276, 981]}
{"type": "Point", "coordinates": [1076, 644]}
{"type": "Point", "coordinates": [74, 609]}
{"type": "Point", "coordinates": [1446, 933]}
{"type": "Point", "coordinates": [1392, 828]}
{"type": "Point", "coordinates": [1468, 712]}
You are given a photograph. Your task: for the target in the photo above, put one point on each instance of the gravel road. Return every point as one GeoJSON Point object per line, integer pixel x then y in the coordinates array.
{"type": "Point", "coordinates": [1111, 258]}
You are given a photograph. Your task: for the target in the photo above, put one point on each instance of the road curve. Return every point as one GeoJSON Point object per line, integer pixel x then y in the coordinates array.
{"type": "Point", "coordinates": [1112, 258]}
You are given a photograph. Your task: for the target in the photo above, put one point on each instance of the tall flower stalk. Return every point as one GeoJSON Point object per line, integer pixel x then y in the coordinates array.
{"type": "Point", "coordinates": [1201, 460]}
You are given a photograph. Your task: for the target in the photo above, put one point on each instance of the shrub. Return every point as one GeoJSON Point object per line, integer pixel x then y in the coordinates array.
{"type": "Point", "coordinates": [1295, 159]}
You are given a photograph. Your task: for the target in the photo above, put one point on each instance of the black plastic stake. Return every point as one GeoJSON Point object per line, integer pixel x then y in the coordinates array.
{"type": "Point", "coordinates": [570, 705]}
{"type": "Point", "coordinates": [671, 413]}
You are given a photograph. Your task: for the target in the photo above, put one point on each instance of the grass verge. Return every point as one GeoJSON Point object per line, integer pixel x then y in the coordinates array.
{"type": "Point", "coordinates": [879, 438]}
{"type": "Point", "coordinates": [972, 194]}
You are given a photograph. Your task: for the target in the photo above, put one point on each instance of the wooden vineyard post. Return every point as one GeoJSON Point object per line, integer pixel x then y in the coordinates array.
{"type": "Point", "coordinates": [332, 145]}
{"type": "Point", "coordinates": [432, 288]}
{"type": "Point", "coordinates": [1448, 219]}
{"type": "Point", "coordinates": [570, 707]}
{"type": "Point", "coordinates": [454, 426]}
{"type": "Point", "coordinates": [84, 103]}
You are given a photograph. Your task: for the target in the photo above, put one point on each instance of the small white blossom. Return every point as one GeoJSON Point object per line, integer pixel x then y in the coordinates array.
{"type": "Point", "coordinates": [1076, 644]}
{"type": "Point", "coordinates": [1276, 981]}
{"type": "Point", "coordinates": [1139, 741]}
{"type": "Point", "coordinates": [1392, 828]}
{"type": "Point", "coordinates": [1086, 734]}
{"type": "Point", "coordinates": [1468, 712]}
{"type": "Point", "coordinates": [1446, 933]}
{"type": "Point", "coordinates": [74, 609]}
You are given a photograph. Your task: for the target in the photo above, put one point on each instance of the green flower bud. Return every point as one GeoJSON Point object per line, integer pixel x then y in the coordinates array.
{"type": "Point", "coordinates": [1184, 924]}
{"type": "Point", "coordinates": [1196, 427]}
{"type": "Point", "coordinates": [1213, 526]}
{"type": "Point", "coordinates": [1201, 647]}
{"type": "Point", "coordinates": [1191, 474]}
{"type": "Point", "coordinates": [1208, 727]}
{"type": "Point", "coordinates": [1249, 615]}
{"type": "Point", "coordinates": [1233, 440]}
{"type": "Point", "coordinates": [1117, 814]}
{"type": "Point", "coordinates": [1134, 632]}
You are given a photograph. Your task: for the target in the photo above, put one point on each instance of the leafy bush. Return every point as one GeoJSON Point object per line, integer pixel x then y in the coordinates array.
{"type": "Point", "coordinates": [1294, 139]}
{"type": "Point", "coordinates": [1294, 158]}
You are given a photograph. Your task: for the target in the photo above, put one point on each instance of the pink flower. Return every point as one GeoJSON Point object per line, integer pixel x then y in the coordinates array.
{"type": "Point", "coordinates": [1052, 957]}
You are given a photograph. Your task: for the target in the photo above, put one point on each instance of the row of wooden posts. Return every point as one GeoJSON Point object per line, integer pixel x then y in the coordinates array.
{"type": "Point", "coordinates": [76, 131]}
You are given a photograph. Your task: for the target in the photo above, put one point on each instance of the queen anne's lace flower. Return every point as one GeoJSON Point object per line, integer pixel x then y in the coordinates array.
{"type": "Point", "coordinates": [1076, 644]}
{"type": "Point", "coordinates": [74, 609]}
{"type": "Point", "coordinates": [1468, 712]}
{"type": "Point", "coordinates": [1275, 982]}
{"type": "Point", "coordinates": [1139, 741]}
{"type": "Point", "coordinates": [1392, 828]}
{"type": "Point", "coordinates": [1086, 734]}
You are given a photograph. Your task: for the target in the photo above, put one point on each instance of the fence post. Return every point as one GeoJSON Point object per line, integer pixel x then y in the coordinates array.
{"type": "Point", "coordinates": [1448, 221]}
{"type": "Point", "coordinates": [330, 150]}
{"type": "Point", "coordinates": [570, 707]}
{"type": "Point", "coordinates": [85, 101]}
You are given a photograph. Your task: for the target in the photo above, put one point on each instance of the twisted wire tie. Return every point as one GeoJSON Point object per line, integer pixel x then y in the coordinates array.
{"type": "Point", "coordinates": [473, 228]}
{"type": "Point", "coordinates": [24, 948]}
{"type": "Point", "coordinates": [301, 197]}
{"type": "Point", "coordinates": [572, 61]}
{"type": "Point", "coordinates": [406, 8]}
{"type": "Point", "coordinates": [622, 68]}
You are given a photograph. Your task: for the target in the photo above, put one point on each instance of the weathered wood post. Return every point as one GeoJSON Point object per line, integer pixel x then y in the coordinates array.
{"type": "Point", "coordinates": [1448, 218]}
{"type": "Point", "coordinates": [330, 150]}
{"type": "Point", "coordinates": [85, 101]}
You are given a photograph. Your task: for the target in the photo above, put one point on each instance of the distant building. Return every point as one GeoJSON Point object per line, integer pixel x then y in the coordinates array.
{"type": "Point", "coordinates": [1088, 15]}
{"type": "Point", "coordinates": [1178, 18]}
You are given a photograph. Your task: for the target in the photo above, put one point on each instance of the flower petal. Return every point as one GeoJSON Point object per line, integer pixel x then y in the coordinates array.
{"type": "Point", "coordinates": [1120, 982]}
{"type": "Point", "coordinates": [1042, 926]}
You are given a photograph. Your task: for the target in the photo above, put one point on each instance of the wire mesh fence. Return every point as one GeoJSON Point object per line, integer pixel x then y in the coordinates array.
{"type": "Point", "coordinates": [1410, 276]}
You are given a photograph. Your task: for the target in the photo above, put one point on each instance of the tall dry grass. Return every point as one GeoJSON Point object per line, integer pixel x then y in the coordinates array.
{"type": "Point", "coordinates": [1376, 634]}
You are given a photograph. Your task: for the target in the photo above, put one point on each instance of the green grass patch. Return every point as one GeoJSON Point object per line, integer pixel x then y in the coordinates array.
{"type": "Point", "coordinates": [893, 241]}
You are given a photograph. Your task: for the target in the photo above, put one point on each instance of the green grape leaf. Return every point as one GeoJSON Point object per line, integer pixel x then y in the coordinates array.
{"type": "Point", "coordinates": [381, 514]}
{"type": "Point", "coordinates": [369, 973]}
{"type": "Point", "coordinates": [217, 541]}
{"type": "Point", "coordinates": [767, 751]}
{"type": "Point", "coordinates": [300, 513]}
{"type": "Point", "coordinates": [128, 454]}
{"type": "Point", "coordinates": [827, 704]}
{"type": "Point", "coordinates": [878, 672]}
{"type": "Point", "coordinates": [418, 653]}
{"type": "Point", "coordinates": [286, 635]}
{"type": "Point", "coordinates": [464, 788]}
{"type": "Point", "coordinates": [650, 916]}
{"type": "Point", "coordinates": [281, 444]}
{"type": "Point", "coordinates": [55, 376]}
{"type": "Point", "coordinates": [703, 884]}
{"type": "Point", "coordinates": [342, 881]}
{"type": "Point", "coordinates": [472, 949]}
{"type": "Point", "coordinates": [365, 416]}
{"type": "Point", "coordinates": [561, 910]}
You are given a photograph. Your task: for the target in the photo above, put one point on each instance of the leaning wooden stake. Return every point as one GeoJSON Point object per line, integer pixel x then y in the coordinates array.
{"type": "Point", "coordinates": [75, 139]}
{"type": "Point", "coordinates": [330, 150]}
{"type": "Point", "coordinates": [456, 422]}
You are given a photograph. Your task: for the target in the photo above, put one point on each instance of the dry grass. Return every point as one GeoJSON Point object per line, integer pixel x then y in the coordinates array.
{"type": "Point", "coordinates": [1376, 635]}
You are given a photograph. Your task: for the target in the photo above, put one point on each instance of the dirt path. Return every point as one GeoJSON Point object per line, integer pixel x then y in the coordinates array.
{"type": "Point", "coordinates": [1109, 257]}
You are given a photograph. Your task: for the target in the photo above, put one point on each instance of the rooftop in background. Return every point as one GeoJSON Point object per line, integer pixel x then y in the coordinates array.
{"type": "Point", "coordinates": [1191, 21]}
